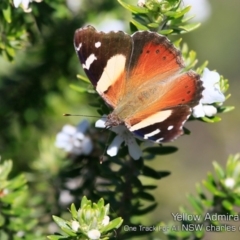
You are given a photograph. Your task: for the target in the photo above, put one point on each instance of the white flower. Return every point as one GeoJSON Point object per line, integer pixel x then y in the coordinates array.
{"type": "Point", "coordinates": [24, 4]}
{"type": "Point", "coordinates": [211, 94]}
{"type": "Point", "coordinates": [94, 234]}
{"type": "Point", "coordinates": [105, 220]}
{"type": "Point", "coordinates": [65, 197]}
{"type": "Point", "coordinates": [73, 139]}
{"type": "Point", "coordinates": [229, 182]}
{"type": "Point", "coordinates": [141, 3]}
{"type": "Point", "coordinates": [123, 135]}
{"type": "Point", "coordinates": [75, 225]}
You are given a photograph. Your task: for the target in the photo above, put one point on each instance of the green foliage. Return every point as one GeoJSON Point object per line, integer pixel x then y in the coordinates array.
{"type": "Point", "coordinates": [214, 209]}
{"type": "Point", "coordinates": [90, 217]}
{"type": "Point", "coordinates": [16, 219]}
{"type": "Point", "coordinates": [35, 91]}
{"type": "Point", "coordinates": [165, 17]}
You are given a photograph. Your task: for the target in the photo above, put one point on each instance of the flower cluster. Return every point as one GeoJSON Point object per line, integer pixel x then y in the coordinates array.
{"type": "Point", "coordinates": [73, 139]}
{"type": "Point", "coordinates": [90, 220]}
{"type": "Point", "coordinates": [211, 94]}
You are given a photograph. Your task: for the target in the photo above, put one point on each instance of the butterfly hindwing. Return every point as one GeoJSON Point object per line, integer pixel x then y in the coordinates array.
{"type": "Point", "coordinates": [163, 126]}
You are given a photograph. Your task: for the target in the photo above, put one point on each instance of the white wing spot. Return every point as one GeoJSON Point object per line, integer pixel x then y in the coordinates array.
{"type": "Point", "coordinates": [146, 136]}
{"type": "Point", "coordinates": [170, 127]}
{"type": "Point", "coordinates": [114, 68]}
{"type": "Point", "coordinates": [97, 44]}
{"type": "Point", "coordinates": [155, 118]}
{"type": "Point", "coordinates": [89, 61]}
{"type": "Point", "coordinates": [79, 46]}
{"type": "Point", "coordinates": [159, 140]}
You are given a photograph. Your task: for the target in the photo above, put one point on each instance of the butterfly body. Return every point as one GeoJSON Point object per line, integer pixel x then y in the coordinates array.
{"type": "Point", "coordinates": [141, 77]}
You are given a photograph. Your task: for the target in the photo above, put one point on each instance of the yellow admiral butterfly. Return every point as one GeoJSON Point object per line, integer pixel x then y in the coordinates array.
{"type": "Point", "coordinates": [141, 78]}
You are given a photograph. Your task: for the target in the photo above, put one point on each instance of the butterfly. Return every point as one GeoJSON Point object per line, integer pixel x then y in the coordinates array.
{"type": "Point", "coordinates": [141, 77]}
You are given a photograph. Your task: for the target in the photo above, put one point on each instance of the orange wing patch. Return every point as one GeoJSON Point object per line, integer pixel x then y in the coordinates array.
{"type": "Point", "coordinates": [156, 59]}
{"type": "Point", "coordinates": [185, 90]}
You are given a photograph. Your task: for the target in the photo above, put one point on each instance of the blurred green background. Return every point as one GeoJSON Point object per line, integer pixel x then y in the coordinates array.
{"type": "Point", "coordinates": [35, 92]}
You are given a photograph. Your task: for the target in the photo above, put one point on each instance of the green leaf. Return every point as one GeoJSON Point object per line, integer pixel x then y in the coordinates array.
{"type": "Point", "coordinates": [133, 8]}
{"type": "Point", "coordinates": [161, 150]}
{"type": "Point", "coordinates": [55, 237]}
{"type": "Point", "coordinates": [225, 109]}
{"type": "Point", "coordinates": [100, 203]}
{"type": "Point", "coordinates": [219, 171]}
{"type": "Point", "coordinates": [114, 224]}
{"type": "Point", "coordinates": [60, 222]}
{"type": "Point", "coordinates": [84, 202]}
{"type": "Point", "coordinates": [2, 220]}
{"type": "Point", "coordinates": [153, 25]}
{"type": "Point", "coordinates": [7, 14]}
{"type": "Point", "coordinates": [196, 204]}
{"type": "Point", "coordinates": [85, 79]}
{"type": "Point", "coordinates": [178, 14]}
{"type": "Point", "coordinates": [190, 27]}
{"type": "Point", "coordinates": [146, 196]}
{"type": "Point", "coordinates": [212, 188]}
{"type": "Point", "coordinates": [138, 25]}
{"type": "Point", "coordinates": [146, 210]}
{"type": "Point", "coordinates": [74, 211]}
{"type": "Point", "coordinates": [149, 172]}
{"type": "Point", "coordinates": [166, 31]}
{"type": "Point", "coordinates": [78, 88]}
{"type": "Point", "coordinates": [212, 119]}
{"type": "Point", "coordinates": [227, 205]}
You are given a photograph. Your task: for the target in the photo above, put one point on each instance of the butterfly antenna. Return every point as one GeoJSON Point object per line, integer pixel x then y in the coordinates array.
{"type": "Point", "coordinates": [79, 115]}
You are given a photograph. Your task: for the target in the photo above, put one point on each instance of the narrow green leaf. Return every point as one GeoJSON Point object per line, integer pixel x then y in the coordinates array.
{"type": "Point", "coordinates": [190, 27]}
{"type": "Point", "coordinates": [166, 31]}
{"type": "Point", "coordinates": [138, 25]}
{"type": "Point", "coordinates": [146, 210]}
{"type": "Point", "coordinates": [225, 109]}
{"type": "Point", "coordinates": [133, 8]}
{"type": "Point", "coordinates": [149, 172]}
{"type": "Point", "coordinates": [153, 25]}
{"type": "Point", "coordinates": [84, 201]}
{"type": "Point", "coordinates": [178, 14]}
{"type": "Point", "coordinates": [78, 88]}
{"type": "Point", "coordinates": [227, 205]}
{"type": "Point", "coordinates": [55, 237]}
{"type": "Point", "coordinates": [60, 222]}
{"type": "Point", "coordinates": [74, 211]}
{"type": "Point", "coordinates": [219, 171]}
{"type": "Point", "coordinates": [146, 196]}
{"type": "Point", "coordinates": [162, 150]}
{"type": "Point", "coordinates": [85, 79]}
{"type": "Point", "coordinates": [100, 203]}
{"type": "Point", "coordinates": [114, 224]}
{"type": "Point", "coordinates": [211, 120]}
{"type": "Point", "coordinates": [196, 204]}
{"type": "Point", "coordinates": [7, 13]}
{"type": "Point", "coordinates": [212, 188]}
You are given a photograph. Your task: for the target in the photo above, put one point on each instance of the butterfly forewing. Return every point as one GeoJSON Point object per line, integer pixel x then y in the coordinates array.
{"type": "Point", "coordinates": [104, 58]}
